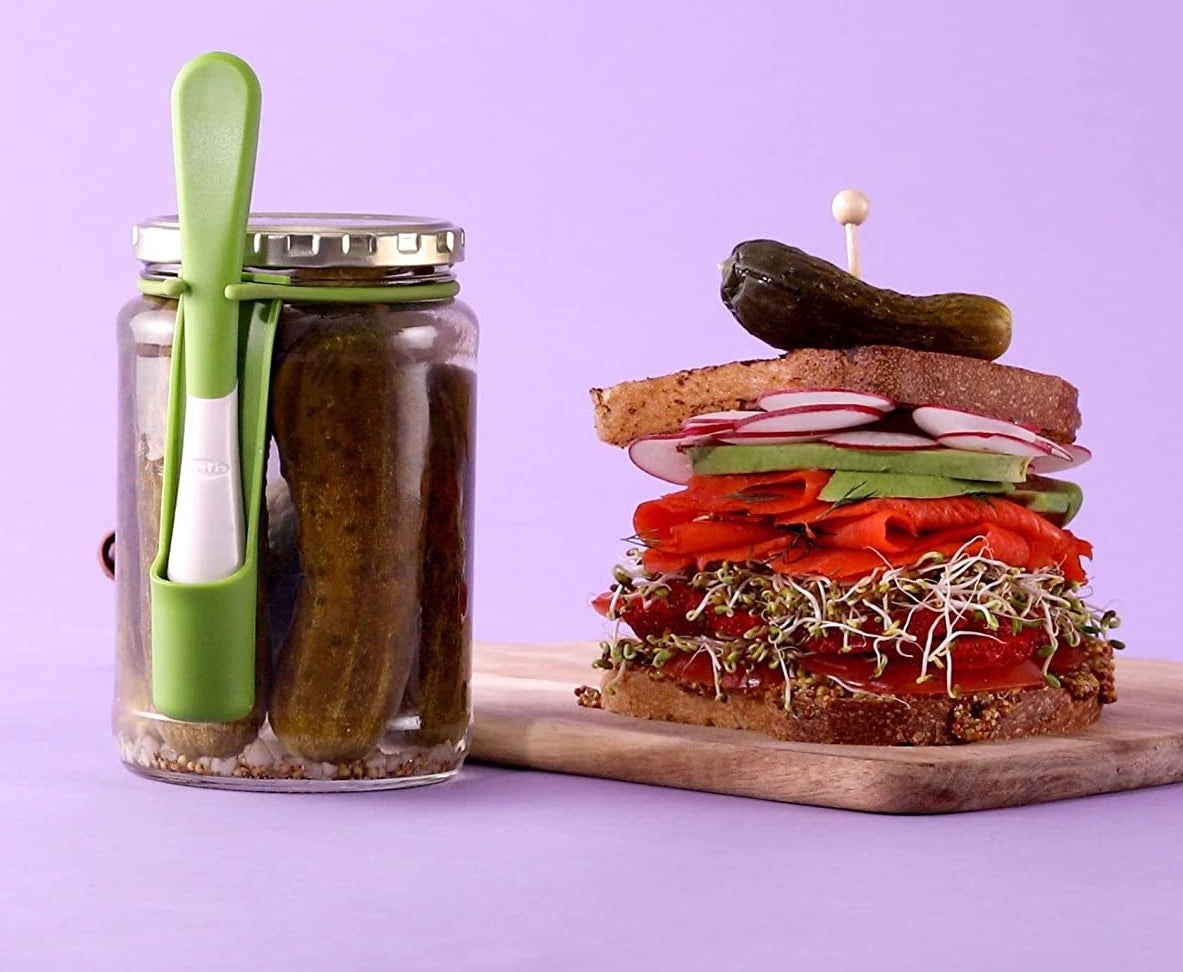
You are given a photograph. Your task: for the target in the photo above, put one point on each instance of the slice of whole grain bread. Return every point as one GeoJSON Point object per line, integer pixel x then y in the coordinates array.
{"type": "Point", "coordinates": [862, 720]}
{"type": "Point", "coordinates": [653, 406]}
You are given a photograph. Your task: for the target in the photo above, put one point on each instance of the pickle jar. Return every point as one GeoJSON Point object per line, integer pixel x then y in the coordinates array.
{"type": "Point", "coordinates": [360, 514]}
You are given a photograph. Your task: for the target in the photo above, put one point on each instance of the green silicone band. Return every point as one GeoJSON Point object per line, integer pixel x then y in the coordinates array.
{"type": "Point", "coordinates": [173, 288]}
{"type": "Point", "coordinates": [396, 294]}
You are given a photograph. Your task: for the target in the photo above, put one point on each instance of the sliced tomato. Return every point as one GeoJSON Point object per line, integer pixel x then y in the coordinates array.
{"type": "Point", "coordinates": [982, 660]}
{"type": "Point", "coordinates": [901, 675]}
{"type": "Point", "coordinates": [697, 668]}
{"type": "Point", "coordinates": [857, 671]}
{"type": "Point", "coordinates": [668, 615]}
{"type": "Point", "coordinates": [975, 647]}
{"type": "Point", "coordinates": [601, 602]}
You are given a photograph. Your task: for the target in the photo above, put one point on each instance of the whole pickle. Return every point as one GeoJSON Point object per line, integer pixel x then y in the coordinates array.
{"type": "Point", "coordinates": [348, 420]}
{"type": "Point", "coordinates": [441, 695]}
{"type": "Point", "coordinates": [789, 299]}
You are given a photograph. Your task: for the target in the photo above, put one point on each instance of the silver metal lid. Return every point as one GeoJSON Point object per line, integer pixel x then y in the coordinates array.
{"type": "Point", "coordinates": [292, 240]}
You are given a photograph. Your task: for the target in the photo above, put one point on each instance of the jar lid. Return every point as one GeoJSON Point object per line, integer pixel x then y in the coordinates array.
{"type": "Point", "coordinates": [292, 240]}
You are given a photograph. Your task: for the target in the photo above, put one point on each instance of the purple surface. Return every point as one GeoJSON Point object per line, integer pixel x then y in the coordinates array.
{"type": "Point", "coordinates": [503, 869]}
{"type": "Point", "coordinates": [603, 157]}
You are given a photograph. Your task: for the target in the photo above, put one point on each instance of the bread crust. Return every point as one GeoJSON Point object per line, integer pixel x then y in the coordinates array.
{"type": "Point", "coordinates": [863, 720]}
{"type": "Point", "coordinates": [654, 406]}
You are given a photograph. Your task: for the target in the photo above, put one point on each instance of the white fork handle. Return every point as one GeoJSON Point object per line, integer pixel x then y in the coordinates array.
{"type": "Point", "coordinates": [208, 538]}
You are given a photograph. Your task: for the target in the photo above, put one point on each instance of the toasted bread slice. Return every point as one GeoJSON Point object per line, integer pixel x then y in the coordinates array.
{"type": "Point", "coordinates": [653, 406]}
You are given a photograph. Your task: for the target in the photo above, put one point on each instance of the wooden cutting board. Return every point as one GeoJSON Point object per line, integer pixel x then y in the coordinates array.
{"type": "Point", "coordinates": [526, 715]}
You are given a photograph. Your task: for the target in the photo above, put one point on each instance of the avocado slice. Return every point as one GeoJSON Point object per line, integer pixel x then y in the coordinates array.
{"type": "Point", "coordinates": [952, 463]}
{"type": "Point", "coordinates": [1056, 497]}
{"type": "Point", "coordinates": [847, 486]}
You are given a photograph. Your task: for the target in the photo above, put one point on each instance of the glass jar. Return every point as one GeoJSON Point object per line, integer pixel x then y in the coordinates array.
{"type": "Point", "coordinates": [363, 621]}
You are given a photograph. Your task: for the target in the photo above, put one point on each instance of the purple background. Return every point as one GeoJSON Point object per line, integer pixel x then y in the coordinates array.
{"type": "Point", "coordinates": [603, 161]}
{"type": "Point", "coordinates": [603, 158]}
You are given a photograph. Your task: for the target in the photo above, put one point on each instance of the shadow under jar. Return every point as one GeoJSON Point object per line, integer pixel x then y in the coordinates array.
{"type": "Point", "coordinates": [363, 648]}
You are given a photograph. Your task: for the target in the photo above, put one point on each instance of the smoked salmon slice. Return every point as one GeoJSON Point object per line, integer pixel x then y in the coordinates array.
{"type": "Point", "coordinates": [778, 518]}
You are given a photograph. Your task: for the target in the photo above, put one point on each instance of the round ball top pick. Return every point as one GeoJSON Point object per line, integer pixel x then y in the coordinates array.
{"type": "Point", "coordinates": [850, 208]}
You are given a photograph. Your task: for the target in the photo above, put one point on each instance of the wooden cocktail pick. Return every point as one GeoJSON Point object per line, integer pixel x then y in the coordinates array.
{"type": "Point", "coordinates": [850, 208]}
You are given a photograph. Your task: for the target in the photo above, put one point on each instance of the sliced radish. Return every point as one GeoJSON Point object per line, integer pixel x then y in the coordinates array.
{"type": "Point", "coordinates": [716, 421]}
{"type": "Point", "coordinates": [740, 437]}
{"type": "Point", "coordinates": [874, 439]}
{"type": "Point", "coordinates": [811, 418]}
{"type": "Point", "coordinates": [776, 401]}
{"type": "Point", "coordinates": [711, 417]}
{"type": "Point", "coordinates": [1008, 445]}
{"type": "Point", "coordinates": [937, 420]}
{"type": "Point", "coordinates": [707, 428]}
{"type": "Point", "coordinates": [663, 456]}
{"type": "Point", "coordinates": [1052, 463]}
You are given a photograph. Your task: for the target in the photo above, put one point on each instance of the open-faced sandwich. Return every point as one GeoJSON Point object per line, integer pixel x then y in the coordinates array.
{"type": "Point", "coordinates": [869, 544]}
